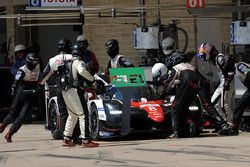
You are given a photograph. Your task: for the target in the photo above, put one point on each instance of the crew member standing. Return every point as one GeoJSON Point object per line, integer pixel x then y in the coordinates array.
{"type": "Point", "coordinates": [64, 49]}
{"type": "Point", "coordinates": [76, 77]}
{"type": "Point", "coordinates": [243, 73]}
{"type": "Point", "coordinates": [116, 60]}
{"type": "Point", "coordinates": [88, 56]}
{"type": "Point", "coordinates": [225, 66]}
{"type": "Point", "coordinates": [20, 57]}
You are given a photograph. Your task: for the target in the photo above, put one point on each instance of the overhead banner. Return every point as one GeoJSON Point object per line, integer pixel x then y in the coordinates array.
{"type": "Point", "coordinates": [53, 3]}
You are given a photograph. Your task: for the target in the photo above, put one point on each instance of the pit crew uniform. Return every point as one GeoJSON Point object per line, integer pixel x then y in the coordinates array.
{"type": "Point", "coordinates": [50, 69]}
{"type": "Point", "coordinates": [76, 103]}
{"type": "Point", "coordinates": [243, 73]}
{"type": "Point", "coordinates": [226, 75]}
{"type": "Point", "coordinates": [119, 61]}
{"type": "Point", "coordinates": [203, 92]}
{"type": "Point", "coordinates": [23, 89]}
{"type": "Point", "coordinates": [185, 94]}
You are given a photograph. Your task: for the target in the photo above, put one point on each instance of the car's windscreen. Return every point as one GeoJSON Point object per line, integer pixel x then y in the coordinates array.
{"type": "Point", "coordinates": [137, 93]}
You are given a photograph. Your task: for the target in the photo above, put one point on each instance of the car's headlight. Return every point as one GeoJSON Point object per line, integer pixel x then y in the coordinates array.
{"type": "Point", "coordinates": [115, 112]}
{"type": "Point", "coordinates": [113, 108]}
{"type": "Point", "coordinates": [193, 108]}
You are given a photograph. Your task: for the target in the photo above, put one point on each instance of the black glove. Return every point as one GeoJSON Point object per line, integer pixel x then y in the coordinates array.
{"type": "Point", "coordinates": [100, 88]}
{"type": "Point", "coordinates": [40, 88]}
{"type": "Point", "coordinates": [13, 92]}
{"type": "Point", "coordinates": [226, 85]}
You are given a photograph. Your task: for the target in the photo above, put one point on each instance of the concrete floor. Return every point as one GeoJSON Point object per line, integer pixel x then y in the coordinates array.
{"type": "Point", "coordinates": [33, 146]}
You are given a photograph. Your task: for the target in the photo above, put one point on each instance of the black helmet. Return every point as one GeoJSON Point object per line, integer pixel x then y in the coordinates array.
{"type": "Point", "coordinates": [76, 49]}
{"type": "Point", "coordinates": [32, 60]}
{"type": "Point", "coordinates": [64, 45]}
{"type": "Point", "coordinates": [175, 59]}
{"type": "Point", "coordinates": [112, 47]}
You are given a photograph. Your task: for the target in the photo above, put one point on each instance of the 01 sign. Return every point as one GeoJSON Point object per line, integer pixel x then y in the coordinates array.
{"type": "Point", "coordinates": [195, 3]}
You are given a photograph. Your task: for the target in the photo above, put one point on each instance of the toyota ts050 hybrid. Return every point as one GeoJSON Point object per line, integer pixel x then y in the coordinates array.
{"type": "Point", "coordinates": [127, 104]}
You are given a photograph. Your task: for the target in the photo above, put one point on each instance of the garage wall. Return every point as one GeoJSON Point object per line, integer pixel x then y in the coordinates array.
{"type": "Point", "coordinates": [48, 37]}
{"type": "Point", "coordinates": [98, 30]}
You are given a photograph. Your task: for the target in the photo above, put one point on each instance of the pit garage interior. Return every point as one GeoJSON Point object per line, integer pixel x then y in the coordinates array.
{"type": "Point", "coordinates": [190, 22]}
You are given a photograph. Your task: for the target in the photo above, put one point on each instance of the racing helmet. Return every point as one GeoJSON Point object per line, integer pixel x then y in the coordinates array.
{"type": "Point", "coordinates": [168, 46]}
{"type": "Point", "coordinates": [19, 48]}
{"type": "Point", "coordinates": [32, 60]}
{"type": "Point", "coordinates": [207, 52]}
{"type": "Point", "coordinates": [112, 47]}
{"type": "Point", "coordinates": [64, 45]}
{"type": "Point", "coordinates": [159, 69]}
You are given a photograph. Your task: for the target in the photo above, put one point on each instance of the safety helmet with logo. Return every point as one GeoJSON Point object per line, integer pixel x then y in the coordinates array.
{"type": "Point", "coordinates": [207, 52]}
{"type": "Point", "coordinates": [158, 70]}
{"type": "Point", "coordinates": [112, 47]}
{"type": "Point", "coordinates": [83, 41]}
{"type": "Point", "coordinates": [64, 45]}
{"type": "Point", "coordinates": [32, 60]}
{"type": "Point", "coordinates": [20, 48]}
{"type": "Point", "coordinates": [168, 46]}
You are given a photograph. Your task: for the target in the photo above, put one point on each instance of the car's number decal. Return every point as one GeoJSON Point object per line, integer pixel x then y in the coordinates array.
{"type": "Point", "coordinates": [152, 108]}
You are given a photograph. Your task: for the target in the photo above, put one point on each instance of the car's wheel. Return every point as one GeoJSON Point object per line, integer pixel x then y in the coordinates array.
{"type": "Point", "coordinates": [54, 122]}
{"type": "Point", "coordinates": [95, 124]}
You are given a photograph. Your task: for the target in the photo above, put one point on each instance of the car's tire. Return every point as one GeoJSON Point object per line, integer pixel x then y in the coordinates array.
{"type": "Point", "coordinates": [53, 121]}
{"type": "Point", "coordinates": [95, 124]}
{"type": "Point", "coordinates": [195, 130]}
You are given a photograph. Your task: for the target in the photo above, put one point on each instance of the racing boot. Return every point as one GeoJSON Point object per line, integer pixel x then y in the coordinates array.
{"type": "Point", "coordinates": [8, 136]}
{"type": "Point", "coordinates": [2, 127]}
{"type": "Point", "coordinates": [228, 130]}
{"type": "Point", "coordinates": [89, 143]}
{"type": "Point", "coordinates": [67, 142]}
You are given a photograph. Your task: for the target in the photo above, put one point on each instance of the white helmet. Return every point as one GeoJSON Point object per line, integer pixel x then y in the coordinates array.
{"type": "Point", "coordinates": [81, 38]}
{"type": "Point", "coordinates": [159, 69]}
{"type": "Point", "coordinates": [168, 45]}
{"type": "Point", "coordinates": [19, 47]}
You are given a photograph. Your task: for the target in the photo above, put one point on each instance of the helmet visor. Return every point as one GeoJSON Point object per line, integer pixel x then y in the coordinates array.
{"type": "Point", "coordinates": [203, 51]}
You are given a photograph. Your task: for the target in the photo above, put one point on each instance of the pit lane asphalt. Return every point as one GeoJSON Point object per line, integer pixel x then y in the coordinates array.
{"type": "Point", "coordinates": [33, 146]}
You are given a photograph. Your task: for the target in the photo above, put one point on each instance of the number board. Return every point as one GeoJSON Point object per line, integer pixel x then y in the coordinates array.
{"type": "Point", "coordinates": [195, 3]}
{"type": "Point", "coordinates": [127, 77]}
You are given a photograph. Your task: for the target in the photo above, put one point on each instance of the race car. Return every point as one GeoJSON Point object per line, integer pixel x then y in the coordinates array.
{"type": "Point", "coordinates": [113, 114]}
{"type": "Point", "coordinates": [145, 112]}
